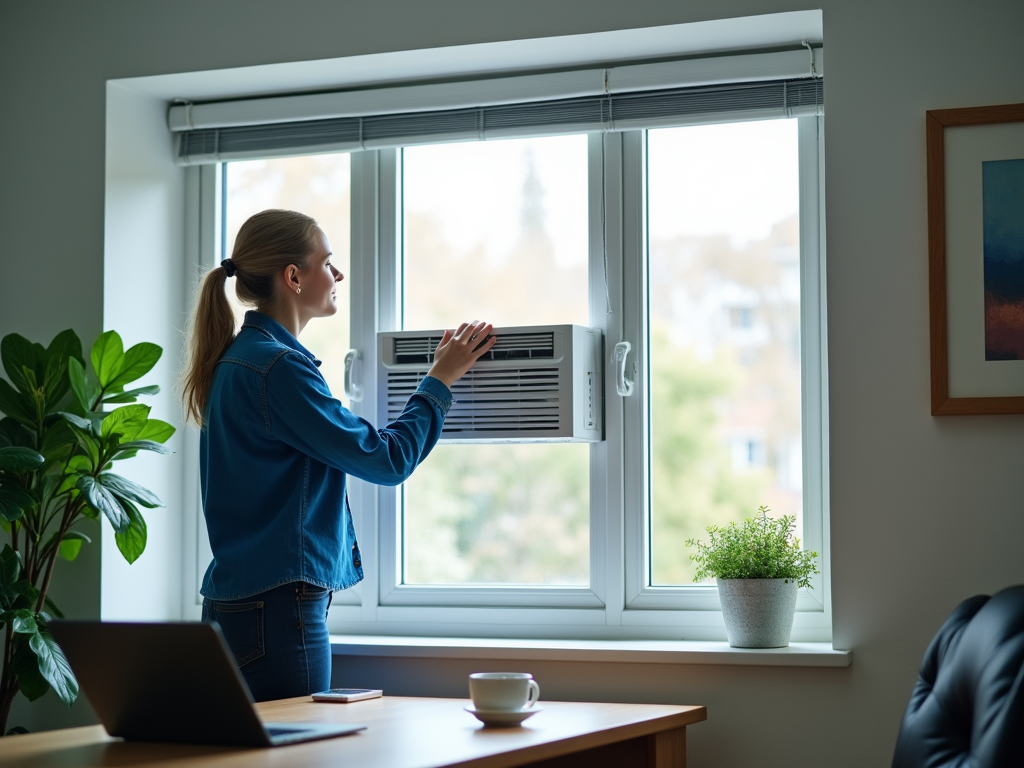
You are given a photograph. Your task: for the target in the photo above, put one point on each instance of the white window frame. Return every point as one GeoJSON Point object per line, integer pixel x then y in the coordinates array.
{"type": "Point", "coordinates": [643, 601]}
{"type": "Point", "coordinates": [392, 593]}
{"type": "Point", "coordinates": [619, 603]}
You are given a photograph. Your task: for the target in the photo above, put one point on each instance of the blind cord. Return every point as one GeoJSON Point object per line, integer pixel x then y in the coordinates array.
{"type": "Point", "coordinates": [810, 50]}
{"type": "Point", "coordinates": [604, 227]}
{"type": "Point", "coordinates": [817, 79]}
{"type": "Point", "coordinates": [604, 204]}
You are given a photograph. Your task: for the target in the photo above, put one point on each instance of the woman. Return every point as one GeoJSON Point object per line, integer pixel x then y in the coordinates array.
{"type": "Point", "coordinates": [276, 448]}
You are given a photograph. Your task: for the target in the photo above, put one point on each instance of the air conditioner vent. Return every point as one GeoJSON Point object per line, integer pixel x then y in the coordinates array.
{"type": "Point", "coordinates": [416, 349]}
{"type": "Point", "coordinates": [535, 384]}
{"type": "Point", "coordinates": [515, 346]}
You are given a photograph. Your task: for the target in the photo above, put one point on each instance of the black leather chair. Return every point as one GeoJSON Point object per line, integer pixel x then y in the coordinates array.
{"type": "Point", "coordinates": [967, 709]}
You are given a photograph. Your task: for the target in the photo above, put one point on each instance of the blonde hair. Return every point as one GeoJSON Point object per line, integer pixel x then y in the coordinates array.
{"type": "Point", "coordinates": [266, 243]}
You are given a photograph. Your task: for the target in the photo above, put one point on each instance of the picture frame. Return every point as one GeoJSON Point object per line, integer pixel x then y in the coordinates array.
{"type": "Point", "coordinates": [971, 373]}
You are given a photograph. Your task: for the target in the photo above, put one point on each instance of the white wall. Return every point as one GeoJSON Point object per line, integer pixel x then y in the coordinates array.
{"type": "Point", "coordinates": [924, 511]}
{"type": "Point", "coordinates": [144, 290]}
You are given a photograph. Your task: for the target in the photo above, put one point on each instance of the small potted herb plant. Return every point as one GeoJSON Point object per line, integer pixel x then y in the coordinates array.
{"type": "Point", "coordinates": [759, 566]}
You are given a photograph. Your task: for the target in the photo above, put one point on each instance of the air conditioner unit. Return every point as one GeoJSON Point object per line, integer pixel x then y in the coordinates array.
{"type": "Point", "coordinates": [536, 384]}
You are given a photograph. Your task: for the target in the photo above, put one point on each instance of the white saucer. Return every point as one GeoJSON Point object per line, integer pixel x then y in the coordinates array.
{"type": "Point", "coordinates": [502, 717]}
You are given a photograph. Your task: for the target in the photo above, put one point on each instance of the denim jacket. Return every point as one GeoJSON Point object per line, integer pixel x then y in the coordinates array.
{"type": "Point", "coordinates": [275, 451]}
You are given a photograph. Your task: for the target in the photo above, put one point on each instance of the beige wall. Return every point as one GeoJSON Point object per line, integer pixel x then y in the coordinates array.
{"type": "Point", "coordinates": [924, 511]}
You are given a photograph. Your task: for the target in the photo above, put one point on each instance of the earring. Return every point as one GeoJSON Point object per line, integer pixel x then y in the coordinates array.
{"type": "Point", "coordinates": [298, 290]}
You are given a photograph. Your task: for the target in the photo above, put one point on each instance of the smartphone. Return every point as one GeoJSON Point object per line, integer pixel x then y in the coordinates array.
{"type": "Point", "coordinates": [347, 694]}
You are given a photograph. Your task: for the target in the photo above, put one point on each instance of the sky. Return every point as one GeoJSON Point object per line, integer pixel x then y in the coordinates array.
{"type": "Point", "coordinates": [737, 179]}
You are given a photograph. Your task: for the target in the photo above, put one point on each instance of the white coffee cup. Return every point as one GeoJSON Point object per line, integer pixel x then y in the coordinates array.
{"type": "Point", "coordinates": [503, 691]}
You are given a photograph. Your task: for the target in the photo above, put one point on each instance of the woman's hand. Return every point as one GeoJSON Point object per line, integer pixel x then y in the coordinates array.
{"type": "Point", "coordinates": [459, 349]}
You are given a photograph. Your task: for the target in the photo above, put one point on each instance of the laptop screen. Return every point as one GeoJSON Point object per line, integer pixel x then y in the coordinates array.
{"type": "Point", "coordinates": [171, 682]}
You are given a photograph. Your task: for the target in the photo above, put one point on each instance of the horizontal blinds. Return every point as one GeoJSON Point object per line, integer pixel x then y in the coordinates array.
{"type": "Point", "coordinates": [644, 107]}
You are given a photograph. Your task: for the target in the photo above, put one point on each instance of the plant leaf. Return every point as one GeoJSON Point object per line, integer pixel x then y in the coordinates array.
{"type": "Point", "coordinates": [78, 421]}
{"type": "Point", "coordinates": [80, 463]}
{"type": "Point", "coordinates": [124, 449]}
{"type": "Point", "coordinates": [24, 622]}
{"type": "Point", "coordinates": [95, 419]}
{"type": "Point", "coordinates": [14, 501]}
{"type": "Point", "coordinates": [131, 395]}
{"type": "Point", "coordinates": [51, 482]}
{"type": "Point", "coordinates": [138, 361]}
{"type": "Point", "coordinates": [128, 421]}
{"type": "Point", "coordinates": [69, 548]}
{"type": "Point", "coordinates": [12, 433]}
{"type": "Point", "coordinates": [65, 346]}
{"type": "Point", "coordinates": [55, 381]}
{"type": "Point", "coordinates": [126, 489]}
{"type": "Point", "coordinates": [85, 391]}
{"type": "Point", "coordinates": [68, 485]}
{"type": "Point", "coordinates": [57, 440]}
{"type": "Point", "coordinates": [156, 430]}
{"type": "Point", "coordinates": [26, 667]}
{"type": "Point", "coordinates": [34, 394]}
{"type": "Point", "coordinates": [132, 542]}
{"type": "Point", "coordinates": [16, 459]}
{"type": "Point", "coordinates": [54, 667]}
{"type": "Point", "coordinates": [26, 594]}
{"type": "Point", "coordinates": [102, 500]}
{"type": "Point", "coordinates": [17, 405]}
{"type": "Point", "coordinates": [17, 595]}
{"type": "Point", "coordinates": [69, 482]}
{"type": "Point", "coordinates": [19, 354]}
{"type": "Point", "coordinates": [70, 545]}
{"type": "Point", "coordinates": [10, 566]}
{"type": "Point", "coordinates": [85, 435]}
{"type": "Point", "coordinates": [107, 357]}
{"type": "Point", "coordinates": [77, 536]}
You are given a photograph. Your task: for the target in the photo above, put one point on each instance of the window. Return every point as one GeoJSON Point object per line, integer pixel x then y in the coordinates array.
{"type": "Point", "coordinates": [317, 185]}
{"type": "Point", "coordinates": [696, 240]}
{"type": "Point", "coordinates": [723, 302]}
{"type": "Point", "coordinates": [497, 231]}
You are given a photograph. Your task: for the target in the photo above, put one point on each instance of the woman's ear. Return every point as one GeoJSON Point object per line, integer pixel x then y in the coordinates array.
{"type": "Point", "coordinates": [290, 279]}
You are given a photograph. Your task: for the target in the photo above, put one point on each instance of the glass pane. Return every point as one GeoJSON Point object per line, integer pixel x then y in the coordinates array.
{"type": "Point", "coordinates": [499, 514]}
{"type": "Point", "coordinates": [318, 186]}
{"type": "Point", "coordinates": [497, 231]}
{"type": "Point", "coordinates": [724, 299]}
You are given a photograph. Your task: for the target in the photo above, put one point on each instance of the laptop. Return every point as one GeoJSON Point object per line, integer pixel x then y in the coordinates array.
{"type": "Point", "coordinates": [172, 682]}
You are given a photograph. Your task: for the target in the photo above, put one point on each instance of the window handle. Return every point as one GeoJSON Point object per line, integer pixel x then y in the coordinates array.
{"type": "Point", "coordinates": [353, 391]}
{"type": "Point", "coordinates": [622, 385]}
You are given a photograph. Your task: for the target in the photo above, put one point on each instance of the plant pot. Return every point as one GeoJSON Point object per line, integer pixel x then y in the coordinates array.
{"type": "Point", "coordinates": [758, 613]}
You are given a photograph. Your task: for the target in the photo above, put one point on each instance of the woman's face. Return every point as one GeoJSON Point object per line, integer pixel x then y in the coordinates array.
{"type": "Point", "coordinates": [319, 282]}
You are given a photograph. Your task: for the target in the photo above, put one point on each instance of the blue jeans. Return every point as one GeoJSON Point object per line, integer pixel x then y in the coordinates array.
{"type": "Point", "coordinates": [278, 638]}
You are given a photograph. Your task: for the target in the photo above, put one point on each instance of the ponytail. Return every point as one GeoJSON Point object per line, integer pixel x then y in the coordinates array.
{"type": "Point", "coordinates": [265, 244]}
{"type": "Point", "coordinates": [212, 331]}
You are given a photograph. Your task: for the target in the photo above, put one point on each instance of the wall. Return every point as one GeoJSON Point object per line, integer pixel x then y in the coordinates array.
{"type": "Point", "coordinates": [924, 511]}
{"type": "Point", "coordinates": [145, 280]}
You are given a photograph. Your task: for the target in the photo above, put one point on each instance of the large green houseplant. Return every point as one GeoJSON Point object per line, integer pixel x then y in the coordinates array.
{"type": "Point", "coordinates": [758, 566]}
{"type": "Point", "coordinates": [59, 438]}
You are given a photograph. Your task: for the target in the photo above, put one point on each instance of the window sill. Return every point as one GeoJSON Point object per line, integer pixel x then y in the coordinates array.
{"type": "Point", "coordinates": [629, 651]}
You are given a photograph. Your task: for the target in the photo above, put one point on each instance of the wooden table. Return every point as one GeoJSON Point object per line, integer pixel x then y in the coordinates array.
{"type": "Point", "coordinates": [402, 733]}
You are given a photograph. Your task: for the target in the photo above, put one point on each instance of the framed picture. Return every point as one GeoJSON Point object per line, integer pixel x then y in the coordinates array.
{"type": "Point", "coordinates": [976, 259]}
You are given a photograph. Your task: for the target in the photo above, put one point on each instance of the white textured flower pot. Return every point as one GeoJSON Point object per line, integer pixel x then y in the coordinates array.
{"type": "Point", "coordinates": [758, 613]}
